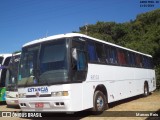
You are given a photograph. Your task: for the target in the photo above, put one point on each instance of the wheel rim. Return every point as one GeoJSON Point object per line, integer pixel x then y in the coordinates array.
{"type": "Point", "coordinates": [100, 103]}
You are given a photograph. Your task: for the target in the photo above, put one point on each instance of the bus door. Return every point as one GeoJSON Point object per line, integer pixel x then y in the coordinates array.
{"type": "Point", "coordinates": [79, 60]}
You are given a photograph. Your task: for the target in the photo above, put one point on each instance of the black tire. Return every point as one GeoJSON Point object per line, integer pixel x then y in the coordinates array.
{"type": "Point", "coordinates": [99, 102]}
{"type": "Point", "coordinates": [146, 90]}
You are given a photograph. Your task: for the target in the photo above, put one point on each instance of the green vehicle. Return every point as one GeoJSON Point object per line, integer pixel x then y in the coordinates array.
{"type": "Point", "coordinates": [4, 61]}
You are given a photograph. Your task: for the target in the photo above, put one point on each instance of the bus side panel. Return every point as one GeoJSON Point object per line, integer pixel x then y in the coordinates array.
{"type": "Point", "coordinates": [88, 92]}
{"type": "Point", "coordinates": [152, 80]}
{"type": "Point", "coordinates": [76, 97]}
{"type": "Point", "coordinates": [124, 82]}
{"type": "Point", "coordinates": [140, 77]}
{"type": "Point", "coordinates": [120, 82]}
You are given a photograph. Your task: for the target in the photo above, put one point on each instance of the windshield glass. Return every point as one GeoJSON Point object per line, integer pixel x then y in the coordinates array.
{"type": "Point", "coordinates": [44, 64]}
{"type": "Point", "coordinates": [1, 59]}
{"type": "Point", "coordinates": [12, 72]}
{"type": "Point", "coordinates": [28, 65]}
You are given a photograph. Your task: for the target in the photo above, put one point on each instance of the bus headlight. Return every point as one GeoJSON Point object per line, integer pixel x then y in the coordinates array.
{"type": "Point", "coordinates": [8, 96]}
{"type": "Point", "coordinates": [59, 93]}
{"type": "Point", "coordinates": [22, 95]}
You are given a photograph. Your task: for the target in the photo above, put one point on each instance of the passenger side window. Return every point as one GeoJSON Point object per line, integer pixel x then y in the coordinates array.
{"type": "Point", "coordinates": [100, 52]}
{"type": "Point", "coordinates": [144, 61]}
{"type": "Point", "coordinates": [133, 63]}
{"type": "Point", "coordinates": [150, 63]}
{"type": "Point", "coordinates": [131, 59]}
{"type": "Point", "coordinates": [91, 51]}
{"type": "Point", "coordinates": [122, 58]}
{"type": "Point", "coordinates": [113, 56]}
{"type": "Point", "coordinates": [107, 51]}
{"type": "Point", "coordinates": [138, 60]}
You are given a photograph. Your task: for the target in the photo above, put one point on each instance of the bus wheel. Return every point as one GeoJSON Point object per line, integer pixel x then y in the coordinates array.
{"type": "Point", "coordinates": [146, 90]}
{"type": "Point", "coordinates": [99, 102]}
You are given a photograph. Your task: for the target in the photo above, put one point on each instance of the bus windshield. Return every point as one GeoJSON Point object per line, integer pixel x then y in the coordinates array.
{"type": "Point", "coordinates": [12, 72]}
{"type": "Point", "coordinates": [44, 64]}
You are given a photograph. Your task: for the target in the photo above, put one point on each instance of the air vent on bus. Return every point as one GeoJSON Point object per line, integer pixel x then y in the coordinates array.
{"type": "Point", "coordinates": [23, 104]}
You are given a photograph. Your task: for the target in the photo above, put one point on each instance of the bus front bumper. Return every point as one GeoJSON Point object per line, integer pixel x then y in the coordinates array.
{"type": "Point", "coordinates": [44, 105]}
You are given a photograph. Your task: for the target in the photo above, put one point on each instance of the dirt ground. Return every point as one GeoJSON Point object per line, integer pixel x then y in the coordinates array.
{"type": "Point", "coordinates": [135, 108]}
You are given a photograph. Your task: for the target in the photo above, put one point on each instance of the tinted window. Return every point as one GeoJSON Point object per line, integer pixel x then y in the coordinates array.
{"type": "Point", "coordinates": [1, 59]}
{"type": "Point", "coordinates": [77, 43]}
{"type": "Point", "coordinates": [100, 52]}
{"type": "Point", "coordinates": [138, 60]}
{"type": "Point", "coordinates": [91, 51]}
{"type": "Point", "coordinates": [145, 62]}
{"type": "Point", "coordinates": [53, 62]}
{"type": "Point", "coordinates": [6, 62]}
{"type": "Point", "coordinates": [53, 56]}
{"type": "Point", "coordinates": [131, 59]}
{"type": "Point", "coordinates": [107, 51]}
{"type": "Point", "coordinates": [122, 57]}
{"type": "Point", "coordinates": [150, 63]}
{"type": "Point", "coordinates": [113, 55]}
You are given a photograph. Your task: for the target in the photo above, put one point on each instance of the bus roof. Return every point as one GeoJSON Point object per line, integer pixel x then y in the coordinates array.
{"type": "Point", "coordinates": [14, 54]}
{"type": "Point", "coordinates": [50, 38]}
{"type": "Point", "coordinates": [5, 55]}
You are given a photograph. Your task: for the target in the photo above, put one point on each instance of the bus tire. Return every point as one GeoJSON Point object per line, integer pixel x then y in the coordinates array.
{"type": "Point", "coordinates": [99, 102]}
{"type": "Point", "coordinates": [146, 90]}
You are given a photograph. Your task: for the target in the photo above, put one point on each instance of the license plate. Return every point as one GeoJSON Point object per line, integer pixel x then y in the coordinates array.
{"type": "Point", "coordinates": [39, 105]}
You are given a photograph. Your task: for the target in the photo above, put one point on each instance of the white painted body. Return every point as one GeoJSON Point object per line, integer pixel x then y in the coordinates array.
{"type": "Point", "coordinates": [120, 82]}
{"type": "Point", "coordinates": [12, 98]}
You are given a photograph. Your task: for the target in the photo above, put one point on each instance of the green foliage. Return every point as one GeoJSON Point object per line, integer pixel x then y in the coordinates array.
{"type": "Point", "coordinates": [17, 51]}
{"type": "Point", "coordinates": [141, 34]}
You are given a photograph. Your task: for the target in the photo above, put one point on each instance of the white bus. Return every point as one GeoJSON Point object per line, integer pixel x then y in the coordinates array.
{"type": "Point", "coordinates": [11, 80]}
{"type": "Point", "coordinates": [4, 61]}
{"type": "Point", "coordinates": [74, 72]}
